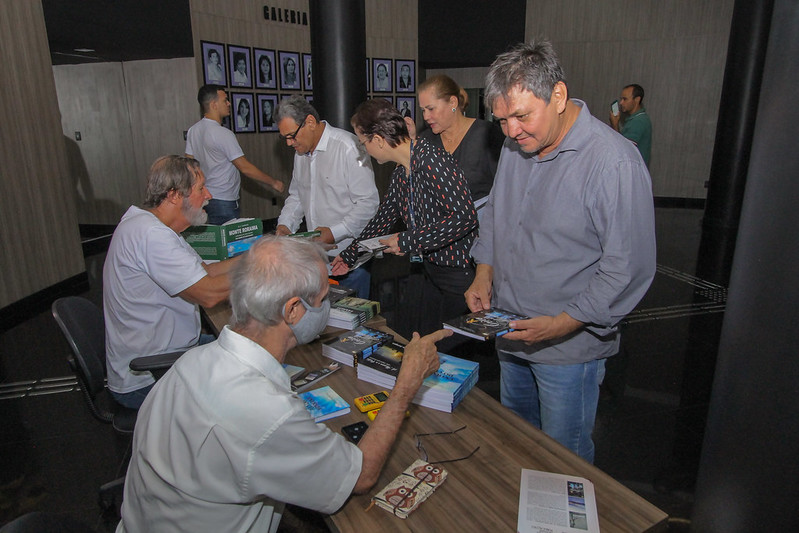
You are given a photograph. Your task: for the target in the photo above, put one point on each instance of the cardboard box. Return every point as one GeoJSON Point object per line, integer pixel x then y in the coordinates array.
{"type": "Point", "coordinates": [211, 242]}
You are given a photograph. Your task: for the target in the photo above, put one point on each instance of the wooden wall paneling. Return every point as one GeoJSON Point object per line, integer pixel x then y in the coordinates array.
{"type": "Point", "coordinates": [162, 99]}
{"type": "Point", "coordinates": [38, 226]}
{"type": "Point", "coordinates": [92, 101]}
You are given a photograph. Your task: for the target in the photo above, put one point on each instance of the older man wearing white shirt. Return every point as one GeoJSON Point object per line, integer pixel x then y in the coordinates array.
{"type": "Point", "coordinates": [332, 185]}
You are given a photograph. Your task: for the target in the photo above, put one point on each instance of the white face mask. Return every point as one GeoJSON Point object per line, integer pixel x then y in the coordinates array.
{"type": "Point", "coordinates": [312, 322]}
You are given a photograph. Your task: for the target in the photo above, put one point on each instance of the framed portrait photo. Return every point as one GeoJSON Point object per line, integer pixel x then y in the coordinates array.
{"type": "Point", "coordinates": [289, 70]}
{"type": "Point", "coordinates": [214, 72]}
{"type": "Point", "coordinates": [242, 112]}
{"type": "Point", "coordinates": [265, 73]}
{"type": "Point", "coordinates": [240, 66]}
{"type": "Point", "coordinates": [381, 75]}
{"type": "Point", "coordinates": [407, 106]}
{"type": "Point", "coordinates": [307, 73]}
{"type": "Point", "coordinates": [267, 105]}
{"type": "Point", "coordinates": [406, 75]}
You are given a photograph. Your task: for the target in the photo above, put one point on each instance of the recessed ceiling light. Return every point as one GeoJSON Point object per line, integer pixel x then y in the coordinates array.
{"type": "Point", "coordinates": [84, 49]}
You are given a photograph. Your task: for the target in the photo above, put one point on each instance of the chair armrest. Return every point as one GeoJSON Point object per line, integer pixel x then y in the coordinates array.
{"type": "Point", "coordinates": [149, 363]}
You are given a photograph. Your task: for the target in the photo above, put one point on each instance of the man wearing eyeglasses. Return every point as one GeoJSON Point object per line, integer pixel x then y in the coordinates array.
{"type": "Point", "coordinates": [332, 185]}
{"type": "Point", "coordinates": [221, 157]}
{"type": "Point", "coordinates": [222, 443]}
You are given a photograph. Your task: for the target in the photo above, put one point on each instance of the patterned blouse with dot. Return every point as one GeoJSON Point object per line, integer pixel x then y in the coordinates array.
{"type": "Point", "coordinates": [442, 223]}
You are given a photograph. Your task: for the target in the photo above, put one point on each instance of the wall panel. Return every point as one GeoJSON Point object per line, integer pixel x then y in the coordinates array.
{"type": "Point", "coordinates": [38, 227]}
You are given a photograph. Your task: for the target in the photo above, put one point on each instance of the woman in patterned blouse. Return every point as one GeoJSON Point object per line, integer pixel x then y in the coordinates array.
{"type": "Point", "coordinates": [429, 194]}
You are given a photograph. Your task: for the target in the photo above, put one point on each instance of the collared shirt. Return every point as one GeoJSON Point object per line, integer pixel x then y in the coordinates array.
{"type": "Point", "coordinates": [221, 443]}
{"type": "Point", "coordinates": [332, 187]}
{"type": "Point", "coordinates": [215, 147]}
{"type": "Point", "coordinates": [570, 231]}
{"type": "Point", "coordinates": [436, 206]}
{"type": "Point", "coordinates": [147, 266]}
{"type": "Point", "coordinates": [638, 128]}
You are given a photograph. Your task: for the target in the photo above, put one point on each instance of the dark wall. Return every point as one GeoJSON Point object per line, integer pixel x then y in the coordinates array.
{"type": "Point", "coordinates": [458, 34]}
{"type": "Point", "coordinates": [749, 473]}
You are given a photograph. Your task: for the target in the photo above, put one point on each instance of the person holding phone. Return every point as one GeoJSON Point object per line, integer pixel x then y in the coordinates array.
{"type": "Point", "coordinates": [636, 124]}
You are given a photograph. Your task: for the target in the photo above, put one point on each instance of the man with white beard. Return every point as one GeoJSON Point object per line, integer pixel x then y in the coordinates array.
{"type": "Point", "coordinates": [153, 281]}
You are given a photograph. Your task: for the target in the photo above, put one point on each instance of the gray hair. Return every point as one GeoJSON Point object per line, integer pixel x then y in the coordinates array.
{"type": "Point", "coordinates": [272, 271]}
{"type": "Point", "coordinates": [296, 107]}
{"type": "Point", "coordinates": [532, 66]}
{"type": "Point", "coordinates": [170, 173]}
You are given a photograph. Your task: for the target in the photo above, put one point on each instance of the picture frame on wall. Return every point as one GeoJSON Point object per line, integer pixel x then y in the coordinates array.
{"type": "Point", "coordinates": [309, 97]}
{"type": "Point", "coordinates": [213, 55]}
{"type": "Point", "coordinates": [267, 105]}
{"type": "Point", "coordinates": [407, 106]}
{"type": "Point", "coordinates": [265, 70]}
{"type": "Point", "coordinates": [405, 75]}
{"type": "Point", "coordinates": [242, 112]}
{"type": "Point", "coordinates": [388, 98]}
{"type": "Point", "coordinates": [240, 66]}
{"type": "Point", "coordinates": [289, 70]}
{"type": "Point", "coordinates": [381, 75]}
{"type": "Point", "coordinates": [307, 72]}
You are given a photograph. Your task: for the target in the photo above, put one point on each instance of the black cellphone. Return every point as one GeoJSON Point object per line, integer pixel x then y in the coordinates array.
{"type": "Point", "coordinates": [355, 431]}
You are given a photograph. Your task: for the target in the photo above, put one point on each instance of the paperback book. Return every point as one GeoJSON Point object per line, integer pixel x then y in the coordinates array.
{"type": "Point", "coordinates": [352, 345]}
{"type": "Point", "coordinates": [324, 403]}
{"type": "Point", "coordinates": [484, 325]}
{"type": "Point", "coordinates": [442, 391]}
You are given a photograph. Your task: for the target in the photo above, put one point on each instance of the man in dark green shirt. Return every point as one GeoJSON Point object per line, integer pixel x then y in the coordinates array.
{"type": "Point", "coordinates": [636, 125]}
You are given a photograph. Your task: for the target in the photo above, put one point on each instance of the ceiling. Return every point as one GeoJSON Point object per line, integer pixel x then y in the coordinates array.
{"type": "Point", "coordinates": [117, 30]}
{"type": "Point", "coordinates": [452, 33]}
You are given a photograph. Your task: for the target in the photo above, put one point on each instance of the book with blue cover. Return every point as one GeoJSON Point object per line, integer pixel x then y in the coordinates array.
{"type": "Point", "coordinates": [484, 325]}
{"type": "Point", "coordinates": [324, 403]}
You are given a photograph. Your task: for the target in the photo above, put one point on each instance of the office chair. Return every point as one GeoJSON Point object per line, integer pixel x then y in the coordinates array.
{"type": "Point", "coordinates": [82, 324]}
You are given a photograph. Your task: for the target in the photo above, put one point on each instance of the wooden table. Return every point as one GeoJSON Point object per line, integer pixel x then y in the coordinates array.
{"type": "Point", "coordinates": [482, 492]}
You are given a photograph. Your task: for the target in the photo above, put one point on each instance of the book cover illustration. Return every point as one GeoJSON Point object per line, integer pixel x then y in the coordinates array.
{"type": "Point", "coordinates": [484, 324]}
{"type": "Point", "coordinates": [386, 359]}
{"type": "Point", "coordinates": [361, 341]}
{"type": "Point", "coordinates": [413, 486]}
{"type": "Point", "coordinates": [324, 403]}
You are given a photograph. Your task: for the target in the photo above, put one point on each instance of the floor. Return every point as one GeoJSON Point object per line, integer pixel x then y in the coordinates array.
{"type": "Point", "coordinates": [54, 455]}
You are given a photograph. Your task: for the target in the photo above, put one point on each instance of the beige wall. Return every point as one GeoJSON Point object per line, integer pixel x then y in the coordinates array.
{"type": "Point", "coordinates": [38, 228]}
{"type": "Point", "coordinates": [675, 50]}
{"type": "Point", "coordinates": [128, 114]}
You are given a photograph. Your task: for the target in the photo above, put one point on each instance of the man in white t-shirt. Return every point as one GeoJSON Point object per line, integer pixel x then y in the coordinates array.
{"type": "Point", "coordinates": [220, 156]}
{"type": "Point", "coordinates": [153, 281]}
{"type": "Point", "coordinates": [222, 443]}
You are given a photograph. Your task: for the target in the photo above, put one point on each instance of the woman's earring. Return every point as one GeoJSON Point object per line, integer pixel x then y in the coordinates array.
{"type": "Point", "coordinates": [454, 109]}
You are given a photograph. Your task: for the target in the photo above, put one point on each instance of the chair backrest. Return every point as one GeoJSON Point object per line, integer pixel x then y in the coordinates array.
{"type": "Point", "coordinates": [82, 324]}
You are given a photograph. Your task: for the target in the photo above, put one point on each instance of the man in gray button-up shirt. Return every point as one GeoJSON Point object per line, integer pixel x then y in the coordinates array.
{"type": "Point", "coordinates": [567, 239]}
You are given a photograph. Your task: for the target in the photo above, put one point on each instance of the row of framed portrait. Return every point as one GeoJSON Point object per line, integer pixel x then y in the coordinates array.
{"type": "Point", "coordinates": [252, 113]}
{"type": "Point", "coordinates": [292, 70]}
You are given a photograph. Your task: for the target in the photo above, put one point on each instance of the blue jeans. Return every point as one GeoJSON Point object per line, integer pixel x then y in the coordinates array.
{"type": "Point", "coordinates": [220, 211]}
{"type": "Point", "coordinates": [134, 399]}
{"type": "Point", "coordinates": [561, 400]}
{"type": "Point", "coordinates": [358, 279]}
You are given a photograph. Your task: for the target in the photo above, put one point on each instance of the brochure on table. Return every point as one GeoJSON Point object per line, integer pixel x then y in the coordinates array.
{"type": "Point", "coordinates": [556, 503]}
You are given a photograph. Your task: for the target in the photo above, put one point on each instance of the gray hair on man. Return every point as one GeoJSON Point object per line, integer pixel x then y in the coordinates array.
{"type": "Point", "coordinates": [532, 66]}
{"type": "Point", "coordinates": [296, 107]}
{"type": "Point", "coordinates": [170, 173]}
{"type": "Point", "coordinates": [272, 271]}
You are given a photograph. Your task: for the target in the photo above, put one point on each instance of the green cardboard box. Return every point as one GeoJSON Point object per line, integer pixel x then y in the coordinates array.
{"type": "Point", "coordinates": [211, 242]}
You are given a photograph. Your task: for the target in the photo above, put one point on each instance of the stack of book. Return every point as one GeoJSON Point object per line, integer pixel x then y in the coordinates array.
{"type": "Point", "coordinates": [349, 312]}
{"type": "Point", "coordinates": [355, 344]}
{"type": "Point", "coordinates": [324, 403]}
{"type": "Point", "coordinates": [442, 391]}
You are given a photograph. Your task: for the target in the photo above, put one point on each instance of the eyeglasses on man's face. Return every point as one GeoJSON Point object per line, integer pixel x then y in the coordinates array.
{"type": "Point", "coordinates": [292, 136]}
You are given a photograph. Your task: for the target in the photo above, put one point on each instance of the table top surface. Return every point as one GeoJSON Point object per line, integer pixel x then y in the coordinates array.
{"type": "Point", "coordinates": [482, 490]}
